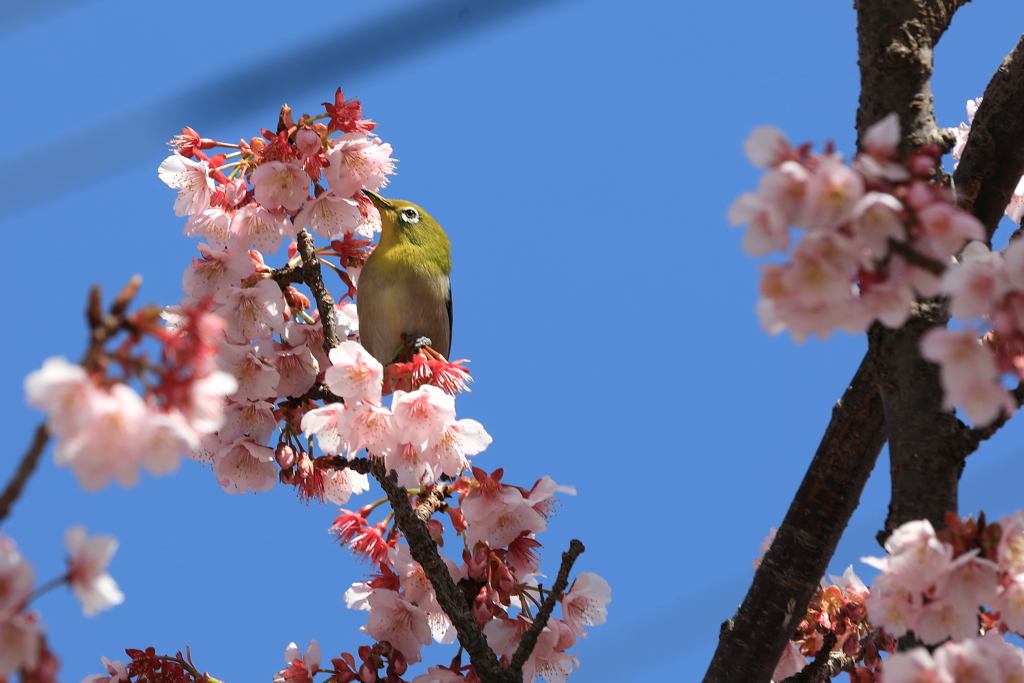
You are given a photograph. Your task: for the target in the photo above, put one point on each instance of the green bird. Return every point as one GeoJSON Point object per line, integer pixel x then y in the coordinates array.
{"type": "Point", "coordinates": [404, 288]}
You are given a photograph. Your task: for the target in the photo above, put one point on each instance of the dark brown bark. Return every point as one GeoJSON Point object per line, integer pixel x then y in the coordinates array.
{"type": "Point", "coordinates": [752, 642]}
{"type": "Point", "coordinates": [895, 393]}
{"type": "Point", "coordinates": [993, 161]}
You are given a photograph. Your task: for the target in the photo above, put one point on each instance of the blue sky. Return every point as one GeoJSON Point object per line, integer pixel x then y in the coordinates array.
{"type": "Point", "coordinates": [581, 156]}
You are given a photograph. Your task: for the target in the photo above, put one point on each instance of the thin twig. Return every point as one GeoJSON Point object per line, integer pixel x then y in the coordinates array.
{"type": "Point", "coordinates": [529, 640]}
{"type": "Point", "coordinates": [324, 302]}
{"type": "Point", "coordinates": [25, 470]}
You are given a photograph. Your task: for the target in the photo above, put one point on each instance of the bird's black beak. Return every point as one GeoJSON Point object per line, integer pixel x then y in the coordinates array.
{"type": "Point", "coordinates": [377, 200]}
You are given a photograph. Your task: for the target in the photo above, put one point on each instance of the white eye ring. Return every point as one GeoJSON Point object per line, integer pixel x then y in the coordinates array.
{"type": "Point", "coordinates": [410, 215]}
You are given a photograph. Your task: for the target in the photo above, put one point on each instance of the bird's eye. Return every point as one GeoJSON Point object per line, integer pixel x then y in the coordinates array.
{"type": "Point", "coordinates": [410, 215]}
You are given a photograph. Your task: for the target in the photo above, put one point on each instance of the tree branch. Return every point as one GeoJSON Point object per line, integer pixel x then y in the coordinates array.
{"type": "Point", "coordinates": [752, 642]}
{"type": "Point", "coordinates": [324, 302]}
{"type": "Point", "coordinates": [424, 550]}
{"type": "Point", "coordinates": [529, 640]}
{"type": "Point", "coordinates": [28, 465]}
{"type": "Point", "coordinates": [993, 158]}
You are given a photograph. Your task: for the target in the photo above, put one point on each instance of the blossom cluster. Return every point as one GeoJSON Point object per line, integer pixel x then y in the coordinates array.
{"type": "Point", "coordinates": [838, 609]}
{"type": "Point", "coordinates": [986, 293]}
{"type": "Point", "coordinates": [876, 234]}
{"type": "Point", "coordinates": [982, 660]}
{"type": "Point", "coordinates": [259, 194]}
{"type": "Point", "coordinates": [498, 572]}
{"type": "Point", "coordinates": [23, 646]}
{"type": "Point", "coordinates": [105, 430]}
{"type": "Point", "coordinates": [936, 584]}
{"type": "Point", "coordinates": [272, 386]}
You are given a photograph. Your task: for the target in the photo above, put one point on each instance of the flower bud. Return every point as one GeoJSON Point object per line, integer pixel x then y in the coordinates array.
{"type": "Point", "coordinates": [305, 466]}
{"type": "Point", "coordinates": [287, 477]}
{"type": "Point", "coordinates": [295, 298]}
{"type": "Point", "coordinates": [285, 455]}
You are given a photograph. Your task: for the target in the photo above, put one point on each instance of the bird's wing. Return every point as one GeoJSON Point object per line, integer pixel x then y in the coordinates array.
{"type": "Point", "coordinates": [448, 305]}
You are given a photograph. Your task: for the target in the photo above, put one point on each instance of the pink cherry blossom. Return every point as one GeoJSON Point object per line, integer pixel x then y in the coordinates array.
{"type": "Point", "coordinates": [250, 365]}
{"type": "Point", "coordinates": [890, 301]}
{"type": "Point", "coordinates": [235, 191]}
{"type": "Point", "coordinates": [945, 229]}
{"type": "Point", "coordinates": [883, 137]}
{"type": "Point", "coordinates": [108, 446]}
{"type": "Point", "coordinates": [410, 462]}
{"type": "Point", "coordinates": [215, 271]}
{"type": "Point", "coordinates": [165, 437]}
{"type": "Point", "coordinates": [64, 392]}
{"type": "Point", "coordinates": [243, 466]}
{"type": "Point", "coordinates": [330, 216]}
{"type": "Point", "coordinates": [399, 622]}
{"type": "Point", "coordinates": [253, 418]}
{"type": "Point", "coordinates": [354, 374]}
{"type": "Point", "coordinates": [767, 147]}
{"type": "Point", "coordinates": [548, 660]}
{"type": "Point", "coordinates": [342, 484]}
{"type": "Point", "coordinates": [255, 226]}
{"type": "Point", "coordinates": [439, 674]}
{"type": "Point", "coordinates": [916, 556]}
{"type": "Point", "coordinates": [792, 662]}
{"type": "Point", "coordinates": [301, 667]}
{"type": "Point", "coordinates": [116, 672]}
{"type": "Point", "coordinates": [786, 188]}
{"type": "Point", "coordinates": [312, 336]}
{"type": "Point", "coordinates": [203, 407]}
{"type": "Point", "coordinates": [941, 620]}
{"type": "Point", "coordinates": [1015, 209]}
{"type": "Point", "coordinates": [420, 416]}
{"type": "Point", "coordinates": [280, 184]}
{"type": "Point", "coordinates": [833, 191]}
{"type": "Point", "coordinates": [586, 603]}
{"type": "Point", "coordinates": [324, 423]}
{"type": "Point", "coordinates": [87, 570]}
{"type": "Point", "coordinates": [498, 513]}
{"type": "Point", "coordinates": [252, 313]}
{"type": "Point", "coordinates": [970, 582]}
{"type": "Point", "coordinates": [298, 368]}
{"type": "Point", "coordinates": [968, 661]}
{"type": "Point", "coordinates": [968, 374]}
{"type": "Point", "coordinates": [1010, 552]}
{"type": "Point", "coordinates": [192, 181]}
{"type": "Point", "coordinates": [16, 579]}
{"type": "Point", "coordinates": [20, 641]}
{"type": "Point", "coordinates": [213, 225]}
{"type": "Point", "coordinates": [976, 282]}
{"type": "Point", "coordinates": [417, 589]}
{"type": "Point", "coordinates": [766, 221]}
{"type": "Point", "coordinates": [1013, 263]}
{"type": "Point", "coordinates": [893, 606]}
{"type": "Point", "coordinates": [876, 221]}
{"type": "Point", "coordinates": [308, 142]}
{"type": "Point", "coordinates": [1010, 603]}
{"type": "Point", "coordinates": [458, 439]}
{"type": "Point", "coordinates": [368, 426]}
{"type": "Point", "coordinates": [358, 162]}
{"type": "Point", "coordinates": [912, 666]}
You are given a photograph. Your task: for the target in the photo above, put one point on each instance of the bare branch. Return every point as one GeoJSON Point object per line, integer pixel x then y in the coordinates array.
{"type": "Point", "coordinates": [751, 643]}
{"type": "Point", "coordinates": [529, 640]}
{"type": "Point", "coordinates": [993, 158]}
{"type": "Point", "coordinates": [28, 465]}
